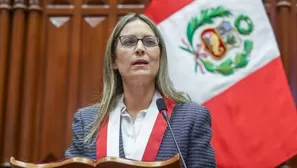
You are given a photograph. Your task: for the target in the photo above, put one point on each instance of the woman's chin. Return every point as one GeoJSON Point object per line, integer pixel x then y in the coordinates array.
{"type": "Point", "coordinates": [142, 75]}
{"type": "Point", "coordinates": [141, 72]}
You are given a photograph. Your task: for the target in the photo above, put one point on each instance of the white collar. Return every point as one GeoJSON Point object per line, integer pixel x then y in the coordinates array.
{"type": "Point", "coordinates": [121, 105]}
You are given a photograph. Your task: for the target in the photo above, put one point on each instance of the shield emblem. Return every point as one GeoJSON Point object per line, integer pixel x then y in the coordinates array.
{"type": "Point", "coordinates": [213, 43]}
{"type": "Point", "coordinates": [229, 35]}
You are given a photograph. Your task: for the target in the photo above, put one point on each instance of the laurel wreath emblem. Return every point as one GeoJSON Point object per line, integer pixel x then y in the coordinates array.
{"type": "Point", "coordinates": [229, 65]}
{"type": "Point", "coordinates": [248, 21]}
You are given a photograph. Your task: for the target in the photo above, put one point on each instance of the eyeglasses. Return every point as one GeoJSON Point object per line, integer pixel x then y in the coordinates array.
{"type": "Point", "coordinates": [131, 41]}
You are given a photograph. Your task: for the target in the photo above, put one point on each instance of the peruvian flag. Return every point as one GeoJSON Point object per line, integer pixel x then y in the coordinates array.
{"type": "Point", "coordinates": [224, 54]}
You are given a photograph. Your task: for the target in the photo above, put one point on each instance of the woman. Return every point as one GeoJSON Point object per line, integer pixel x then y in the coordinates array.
{"type": "Point", "coordinates": [126, 122]}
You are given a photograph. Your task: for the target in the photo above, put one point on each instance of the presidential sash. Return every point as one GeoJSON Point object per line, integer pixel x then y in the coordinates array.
{"type": "Point", "coordinates": [107, 143]}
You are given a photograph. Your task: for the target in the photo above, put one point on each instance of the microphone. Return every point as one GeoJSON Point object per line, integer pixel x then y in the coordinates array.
{"type": "Point", "coordinates": [163, 110]}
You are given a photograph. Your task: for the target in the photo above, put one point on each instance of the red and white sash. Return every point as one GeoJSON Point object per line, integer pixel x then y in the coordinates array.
{"type": "Point", "coordinates": [107, 143]}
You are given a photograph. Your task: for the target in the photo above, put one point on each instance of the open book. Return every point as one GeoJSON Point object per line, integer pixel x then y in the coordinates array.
{"type": "Point", "coordinates": [107, 162]}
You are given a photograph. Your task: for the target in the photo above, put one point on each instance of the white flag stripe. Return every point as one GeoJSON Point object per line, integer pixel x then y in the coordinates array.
{"type": "Point", "coordinates": [202, 87]}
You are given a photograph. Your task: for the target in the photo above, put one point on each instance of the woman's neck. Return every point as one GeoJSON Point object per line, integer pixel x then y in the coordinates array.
{"type": "Point", "coordinates": [138, 97]}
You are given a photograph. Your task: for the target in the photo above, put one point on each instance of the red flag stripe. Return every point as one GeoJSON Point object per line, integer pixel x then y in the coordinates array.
{"type": "Point", "coordinates": [254, 121]}
{"type": "Point", "coordinates": [159, 10]}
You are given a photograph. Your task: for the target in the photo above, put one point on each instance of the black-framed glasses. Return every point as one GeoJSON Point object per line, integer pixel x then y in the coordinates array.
{"type": "Point", "coordinates": [131, 41]}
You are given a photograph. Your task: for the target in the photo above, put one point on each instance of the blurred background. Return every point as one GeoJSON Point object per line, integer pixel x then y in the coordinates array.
{"type": "Point", "coordinates": [51, 57]}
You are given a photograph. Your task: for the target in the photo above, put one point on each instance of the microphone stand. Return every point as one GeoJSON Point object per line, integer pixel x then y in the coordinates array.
{"type": "Point", "coordinates": [173, 137]}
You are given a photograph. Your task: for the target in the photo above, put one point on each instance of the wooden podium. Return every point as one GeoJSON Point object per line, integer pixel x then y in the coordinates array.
{"type": "Point", "coordinates": [108, 162]}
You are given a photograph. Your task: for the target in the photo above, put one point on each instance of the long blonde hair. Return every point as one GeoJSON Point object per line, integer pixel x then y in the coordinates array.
{"type": "Point", "coordinates": [112, 82]}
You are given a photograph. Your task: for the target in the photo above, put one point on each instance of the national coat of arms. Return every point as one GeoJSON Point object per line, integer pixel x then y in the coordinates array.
{"type": "Point", "coordinates": [211, 53]}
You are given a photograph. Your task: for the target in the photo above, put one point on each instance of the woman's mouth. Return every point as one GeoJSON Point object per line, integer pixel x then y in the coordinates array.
{"type": "Point", "coordinates": [140, 62]}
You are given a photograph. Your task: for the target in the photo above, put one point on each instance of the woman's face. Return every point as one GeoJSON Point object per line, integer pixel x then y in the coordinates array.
{"type": "Point", "coordinates": [134, 57]}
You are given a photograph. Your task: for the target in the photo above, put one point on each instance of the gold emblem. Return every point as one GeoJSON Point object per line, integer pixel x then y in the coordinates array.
{"type": "Point", "coordinates": [219, 40]}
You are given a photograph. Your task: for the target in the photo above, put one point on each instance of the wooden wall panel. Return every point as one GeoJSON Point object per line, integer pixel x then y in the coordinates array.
{"type": "Point", "coordinates": [4, 46]}
{"type": "Point", "coordinates": [58, 42]}
{"type": "Point", "coordinates": [96, 2]}
{"type": "Point", "coordinates": [286, 24]}
{"type": "Point", "coordinates": [73, 71]}
{"type": "Point", "coordinates": [293, 51]}
{"type": "Point", "coordinates": [284, 31]}
{"type": "Point", "coordinates": [133, 3]}
{"type": "Point", "coordinates": [283, 17]}
{"type": "Point", "coordinates": [271, 12]}
{"type": "Point", "coordinates": [31, 62]}
{"type": "Point", "coordinates": [93, 41]}
{"type": "Point", "coordinates": [12, 114]}
{"type": "Point", "coordinates": [60, 2]}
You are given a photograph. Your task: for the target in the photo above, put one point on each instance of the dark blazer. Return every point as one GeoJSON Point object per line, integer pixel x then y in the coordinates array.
{"type": "Point", "coordinates": [191, 124]}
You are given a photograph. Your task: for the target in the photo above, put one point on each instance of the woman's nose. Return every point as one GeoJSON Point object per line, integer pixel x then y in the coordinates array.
{"type": "Point", "coordinates": [139, 48]}
{"type": "Point", "coordinates": [139, 51]}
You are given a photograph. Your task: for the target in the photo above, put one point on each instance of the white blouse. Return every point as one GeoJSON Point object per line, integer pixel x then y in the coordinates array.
{"type": "Point", "coordinates": [136, 133]}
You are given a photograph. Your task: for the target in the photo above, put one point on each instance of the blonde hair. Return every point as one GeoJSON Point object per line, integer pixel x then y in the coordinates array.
{"type": "Point", "coordinates": [112, 82]}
